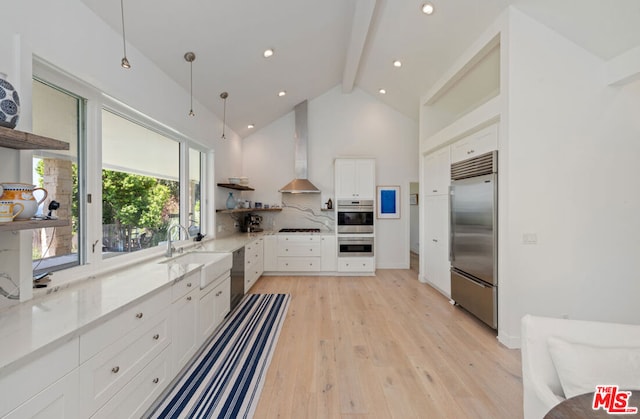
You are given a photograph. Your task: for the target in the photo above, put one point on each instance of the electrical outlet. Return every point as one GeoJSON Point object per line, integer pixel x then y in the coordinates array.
{"type": "Point", "coordinates": [220, 228]}
{"type": "Point", "coordinates": [529, 238]}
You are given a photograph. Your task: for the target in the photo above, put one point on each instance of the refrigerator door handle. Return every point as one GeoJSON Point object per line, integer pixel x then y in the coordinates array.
{"type": "Point", "coordinates": [450, 223]}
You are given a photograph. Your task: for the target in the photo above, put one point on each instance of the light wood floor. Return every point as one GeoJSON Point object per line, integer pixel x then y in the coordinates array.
{"type": "Point", "coordinates": [384, 347]}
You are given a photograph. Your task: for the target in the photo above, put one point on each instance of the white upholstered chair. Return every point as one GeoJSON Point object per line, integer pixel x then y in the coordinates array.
{"type": "Point", "coordinates": [541, 383]}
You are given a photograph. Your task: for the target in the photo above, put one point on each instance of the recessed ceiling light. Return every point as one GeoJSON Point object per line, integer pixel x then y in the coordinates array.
{"type": "Point", "coordinates": [268, 52]}
{"type": "Point", "coordinates": [427, 8]}
{"type": "Point", "coordinates": [382, 92]}
{"type": "Point", "coordinates": [282, 93]}
{"type": "Point", "coordinates": [251, 126]}
{"type": "Point", "coordinates": [397, 63]}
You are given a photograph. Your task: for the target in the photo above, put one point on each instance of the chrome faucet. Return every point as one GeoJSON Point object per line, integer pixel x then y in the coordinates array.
{"type": "Point", "coordinates": [170, 248]}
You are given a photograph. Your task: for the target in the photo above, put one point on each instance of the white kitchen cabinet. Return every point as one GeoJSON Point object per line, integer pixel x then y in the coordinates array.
{"type": "Point", "coordinates": [299, 253]}
{"type": "Point", "coordinates": [57, 401]}
{"type": "Point", "coordinates": [106, 373]}
{"type": "Point", "coordinates": [185, 329]}
{"type": "Point", "coordinates": [436, 246]}
{"type": "Point", "coordinates": [328, 254]}
{"type": "Point", "coordinates": [253, 262]}
{"type": "Point", "coordinates": [356, 264]}
{"type": "Point", "coordinates": [437, 172]}
{"type": "Point", "coordinates": [214, 305]}
{"type": "Point", "coordinates": [480, 142]}
{"type": "Point", "coordinates": [355, 178]}
{"type": "Point", "coordinates": [270, 244]}
{"type": "Point", "coordinates": [45, 387]}
{"type": "Point", "coordinates": [138, 395]}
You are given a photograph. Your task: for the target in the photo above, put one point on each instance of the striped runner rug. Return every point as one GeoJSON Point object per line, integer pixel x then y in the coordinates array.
{"type": "Point", "coordinates": [226, 379]}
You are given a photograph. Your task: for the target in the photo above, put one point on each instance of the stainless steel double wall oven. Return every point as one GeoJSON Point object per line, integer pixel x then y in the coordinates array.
{"type": "Point", "coordinates": [355, 228]}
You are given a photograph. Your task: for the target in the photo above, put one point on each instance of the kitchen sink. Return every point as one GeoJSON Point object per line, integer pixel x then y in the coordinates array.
{"type": "Point", "coordinates": [214, 264]}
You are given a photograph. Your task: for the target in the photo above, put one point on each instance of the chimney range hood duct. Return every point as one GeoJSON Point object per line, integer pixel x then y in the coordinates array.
{"type": "Point", "coordinates": [301, 139]}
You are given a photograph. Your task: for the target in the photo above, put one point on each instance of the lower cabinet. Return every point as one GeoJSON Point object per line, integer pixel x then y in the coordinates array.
{"type": "Point", "coordinates": [253, 262]}
{"type": "Point", "coordinates": [45, 387]}
{"type": "Point", "coordinates": [356, 264]}
{"type": "Point", "coordinates": [299, 253]}
{"type": "Point", "coordinates": [270, 253]}
{"type": "Point", "coordinates": [139, 393]}
{"type": "Point", "coordinates": [214, 305]}
{"type": "Point", "coordinates": [329, 254]}
{"type": "Point", "coordinates": [106, 373]}
{"type": "Point", "coordinates": [57, 401]}
{"type": "Point", "coordinates": [186, 339]}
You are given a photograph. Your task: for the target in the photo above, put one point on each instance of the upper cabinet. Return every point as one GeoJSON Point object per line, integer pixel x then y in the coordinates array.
{"type": "Point", "coordinates": [437, 172]}
{"type": "Point", "coordinates": [355, 178]}
{"type": "Point", "coordinates": [478, 143]}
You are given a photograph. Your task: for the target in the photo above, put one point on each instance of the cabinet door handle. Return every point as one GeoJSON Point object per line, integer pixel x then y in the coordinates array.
{"type": "Point", "coordinates": [156, 336]}
{"type": "Point", "coordinates": [470, 151]}
{"type": "Point", "coordinates": [218, 293]}
{"type": "Point", "coordinates": [435, 240]}
{"type": "Point", "coordinates": [139, 315]}
{"type": "Point", "coordinates": [115, 370]}
{"type": "Point", "coordinates": [189, 298]}
{"type": "Point", "coordinates": [188, 284]}
{"type": "Point", "coordinates": [156, 380]}
{"type": "Point", "coordinates": [435, 190]}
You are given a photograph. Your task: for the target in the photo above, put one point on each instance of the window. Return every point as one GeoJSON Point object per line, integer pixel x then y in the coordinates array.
{"type": "Point", "coordinates": [57, 114]}
{"type": "Point", "coordinates": [148, 175]}
{"type": "Point", "coordinates": [140, 185]}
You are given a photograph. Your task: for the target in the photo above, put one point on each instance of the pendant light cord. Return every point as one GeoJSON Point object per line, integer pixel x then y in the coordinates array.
{"type": "Point", "coordinates": [124, 43]}
{"type": "Point", "coordinates": [191, 89]}
{"type": "Point", "coordinates": [224, 117]}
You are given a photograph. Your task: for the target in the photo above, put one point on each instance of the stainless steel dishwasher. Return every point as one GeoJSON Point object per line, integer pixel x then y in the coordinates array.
{"type": "Point", "coordinates": [237, 277]}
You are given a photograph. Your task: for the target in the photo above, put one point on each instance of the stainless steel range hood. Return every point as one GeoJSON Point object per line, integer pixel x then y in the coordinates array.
{"type": "Point", "coordinates": [301, 138]}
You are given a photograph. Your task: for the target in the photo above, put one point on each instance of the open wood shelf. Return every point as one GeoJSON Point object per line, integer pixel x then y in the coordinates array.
{"type": "Point", "coordinates": [239, 210]}
{"type": "Point", "coordinates": [20, 140]}
{"type": "Point", "coordinates": [236, 186]}
{"type": "Point", "coordinates": [31, 224]}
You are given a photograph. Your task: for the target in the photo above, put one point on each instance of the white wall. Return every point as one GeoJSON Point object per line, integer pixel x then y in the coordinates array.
{"type": "Point", "coordinates": [342, 125]}
{"type": "Point", "coordinates": [573, 146]}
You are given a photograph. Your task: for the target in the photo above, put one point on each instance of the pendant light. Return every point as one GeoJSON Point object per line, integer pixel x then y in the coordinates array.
{"type": "Point", "coordinates": [124, 63]}
{"type": "Point", "coordinates": [224, 96]}
{"type": "Point", "coordinates": [190, 57]}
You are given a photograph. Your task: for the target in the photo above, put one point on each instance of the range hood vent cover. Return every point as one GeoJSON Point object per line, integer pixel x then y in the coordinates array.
{"type": "Point", "coordinates": [301, 139]}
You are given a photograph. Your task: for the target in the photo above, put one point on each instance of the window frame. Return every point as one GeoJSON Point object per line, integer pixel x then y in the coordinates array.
{"type": "Point", "coordinates": [90, 202]}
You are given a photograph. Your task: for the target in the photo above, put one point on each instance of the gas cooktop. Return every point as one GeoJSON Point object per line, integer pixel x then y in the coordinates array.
{"type": "Point", "coordinates": [299, 230]}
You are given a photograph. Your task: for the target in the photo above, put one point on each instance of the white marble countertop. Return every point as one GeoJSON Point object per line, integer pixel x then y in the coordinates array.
{"type": "Point", "coordinates": [34, 327]}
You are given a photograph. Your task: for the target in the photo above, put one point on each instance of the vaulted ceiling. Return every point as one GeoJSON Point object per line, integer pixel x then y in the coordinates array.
{"type": "Point", "coordinates": [321, 44]}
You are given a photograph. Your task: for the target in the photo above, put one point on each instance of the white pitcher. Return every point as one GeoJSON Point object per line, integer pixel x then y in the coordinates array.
{"type": "Point", "coordinates": [22, 193]}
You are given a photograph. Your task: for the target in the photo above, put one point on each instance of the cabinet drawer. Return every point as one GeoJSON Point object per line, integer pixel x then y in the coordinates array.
{"type": "Point", "coordinates": [291, 249]}
{"type": "Point", "coordinates": [136, 397]}
{"type": "Point", "coordinates": [299, 264]}
{"type": "Point", "coordinates": [20, 385]}
{"type": "Point", "coordinates": [58, 401]}
{"type": "Point", "coordinates": [356, 264]}
{"type": "Point", "coordinates": [105, 374]}
{"type": "Point", "coordinates": [298, 238]}
{"type": "Point", "coordinates": [188, 283]}
{"type": "Point", "coordinates": [101, 336]}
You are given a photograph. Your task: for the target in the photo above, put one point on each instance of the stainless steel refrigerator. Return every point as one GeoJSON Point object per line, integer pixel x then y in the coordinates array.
{"type": "Point", "coordinates": [474, 238]}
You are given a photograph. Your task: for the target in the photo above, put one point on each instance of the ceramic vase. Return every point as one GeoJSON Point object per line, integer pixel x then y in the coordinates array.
{"type": "Point", "coordinates": [9, 103]}
{"type": "Point", "coordinates": [231, 201]}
